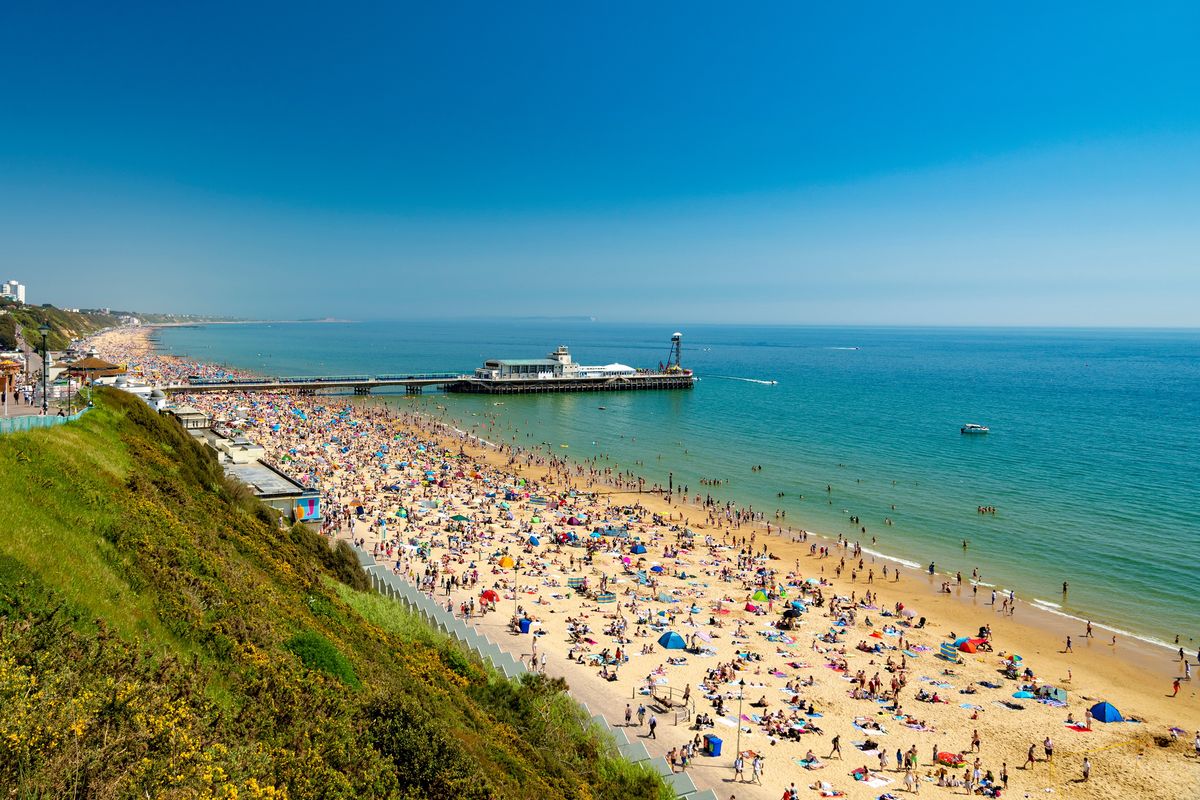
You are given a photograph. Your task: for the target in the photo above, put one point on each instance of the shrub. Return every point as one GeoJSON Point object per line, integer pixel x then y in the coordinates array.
{"type": "Point", "coordinates": [318, 653]}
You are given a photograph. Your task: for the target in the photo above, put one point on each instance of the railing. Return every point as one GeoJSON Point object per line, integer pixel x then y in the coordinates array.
{"type": "Point", "coordinates": [31, 422]}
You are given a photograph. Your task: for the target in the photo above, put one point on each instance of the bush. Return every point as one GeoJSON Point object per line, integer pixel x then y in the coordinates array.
{"type": "Point", "coordinates": [317, 652]}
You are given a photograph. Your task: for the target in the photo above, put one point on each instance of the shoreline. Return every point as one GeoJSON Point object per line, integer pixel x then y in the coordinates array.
{"type": "Point", "coordinates": [1148, 651]}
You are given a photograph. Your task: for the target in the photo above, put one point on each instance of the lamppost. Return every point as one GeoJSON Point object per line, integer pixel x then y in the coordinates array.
{"type": "Point", "coordinates": [44, 329]}
{"type": "Point", "coordinates": [741, 694]}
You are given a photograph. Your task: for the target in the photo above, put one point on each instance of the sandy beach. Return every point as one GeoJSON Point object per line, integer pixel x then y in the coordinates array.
{"type": "Point", "coordinates": [851, 662]}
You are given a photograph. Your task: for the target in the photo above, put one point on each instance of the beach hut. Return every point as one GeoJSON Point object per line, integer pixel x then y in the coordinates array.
{"type": "Point", "coordinates": [1106, 712]}
{"type": "Point", "coordinates": [672, 641]}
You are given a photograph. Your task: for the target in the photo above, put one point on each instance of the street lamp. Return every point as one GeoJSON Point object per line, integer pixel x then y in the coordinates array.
{"type": "Point", "coordinates": [741, 695]}
{"type": "Point", "coordinates": [44, 329]}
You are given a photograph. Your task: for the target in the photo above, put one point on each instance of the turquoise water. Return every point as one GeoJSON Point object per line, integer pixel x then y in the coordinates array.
{"type": "Point", "coordinates": [1093, 462]}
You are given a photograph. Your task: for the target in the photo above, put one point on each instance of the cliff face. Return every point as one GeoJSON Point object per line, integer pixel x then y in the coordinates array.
{"type": "Point", "coordinates": [161, 635]}
{"type": "Point", "coordinates": [64, 325]}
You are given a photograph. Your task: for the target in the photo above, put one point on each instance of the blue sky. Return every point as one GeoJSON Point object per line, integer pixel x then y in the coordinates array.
{"type": "Point", "coordinates": [775, 162]}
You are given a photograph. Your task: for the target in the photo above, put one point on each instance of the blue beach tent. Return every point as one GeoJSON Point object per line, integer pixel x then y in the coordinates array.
{"type": "Point", "coordinates": [1105, 712]}
{"type": "Point", "coordinates": [638, 549]}
{"type": "Point", "coordinates": [672, 641]}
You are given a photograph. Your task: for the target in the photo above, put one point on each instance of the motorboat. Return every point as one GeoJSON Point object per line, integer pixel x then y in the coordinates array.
{"type": "Point", "coordinates": [971, 427]}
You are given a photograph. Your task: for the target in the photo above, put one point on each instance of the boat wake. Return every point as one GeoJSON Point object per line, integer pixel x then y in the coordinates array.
{"type": "Point", "coordinates": [747, 380]}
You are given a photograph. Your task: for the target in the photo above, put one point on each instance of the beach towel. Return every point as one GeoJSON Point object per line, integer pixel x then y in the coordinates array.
{"type": "Point", "coordinates": [809, 764]}
{"type": "Point", "coordinates": [1078, 728]}
{"type": "Point", "coordinates": [877, 782]}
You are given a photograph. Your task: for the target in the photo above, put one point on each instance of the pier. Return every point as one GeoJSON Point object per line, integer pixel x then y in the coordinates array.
{"type": "Point", "coordinates": [454, 383]}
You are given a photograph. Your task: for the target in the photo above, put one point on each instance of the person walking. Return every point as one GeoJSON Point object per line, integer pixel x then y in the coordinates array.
{"type": "Point", "coordinates": [837, 746]}
{"type": "Point", "coordinates": [975, 740]}
{"type": "Point", "coordinates": [758, 769]}
{"type": "Point", "coordinates": [628, 715]}
{"type": "Point", "coordinates": [1087, 768]}
{"type": "Point", "coordinates": [653, 725]}
{"type": "Point", "coordinates": [1048, 747]}
{"type": "Point", "coordinates": [738, 766]}
{"type": "Point", "coordinates": [1068, 650]}
{"type": "Point", "coordinates": [641, 712]}
{"type": "Point", "coordinates": [1175, 687]}
{"type": "Point", "coordinates": [1030, 757]}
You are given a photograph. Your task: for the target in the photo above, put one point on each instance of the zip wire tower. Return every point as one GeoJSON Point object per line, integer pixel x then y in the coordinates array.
{"type": "Point", "coordinates": [673, 364]}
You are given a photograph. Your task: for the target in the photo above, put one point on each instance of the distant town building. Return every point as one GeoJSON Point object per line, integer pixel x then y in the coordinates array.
{"type": "Point", "coordinates": [12, 290]}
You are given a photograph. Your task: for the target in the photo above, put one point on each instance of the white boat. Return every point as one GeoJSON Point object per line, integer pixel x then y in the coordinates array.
{"type": "Point", "coordinates": [971, 427]}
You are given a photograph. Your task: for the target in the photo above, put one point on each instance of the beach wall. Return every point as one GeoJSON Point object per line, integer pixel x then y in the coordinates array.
{"type": "Point", "coordinates": [390, 585]}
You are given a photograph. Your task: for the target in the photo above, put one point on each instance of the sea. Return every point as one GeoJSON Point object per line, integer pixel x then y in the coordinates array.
{"type": "Point", "coordinates": [1092, 463]}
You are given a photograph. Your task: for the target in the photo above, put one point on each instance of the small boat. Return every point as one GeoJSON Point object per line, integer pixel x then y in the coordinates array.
{"type": "Point", "coordinates": [601, 408]}
{"type": "Point", "coordinates": [971, 427]}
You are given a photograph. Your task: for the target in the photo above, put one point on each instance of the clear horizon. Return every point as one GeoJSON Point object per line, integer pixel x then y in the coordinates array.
{"type": "Point", "coordinates": [1022, 167]}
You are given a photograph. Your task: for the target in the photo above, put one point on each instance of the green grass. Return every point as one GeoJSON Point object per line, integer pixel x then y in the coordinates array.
{"type": "Point", "coordinates": [181, 643]}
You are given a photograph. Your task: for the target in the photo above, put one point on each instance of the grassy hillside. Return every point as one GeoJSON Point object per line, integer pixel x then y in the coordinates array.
{"type": "Point", "coordinates": [162, 636]}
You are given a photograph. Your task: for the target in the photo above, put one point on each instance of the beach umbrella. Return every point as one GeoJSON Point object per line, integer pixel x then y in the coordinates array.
{"type": "Point", "coordinates": [791, 613]}
{"type": "Point", "coordinates": [656, 568]}
{"type": "Point", "coordinates": [704, 636]}
{"type": "Point", "coordinates": [1023, 695]}
{"type": "Point", "coordinates": [908, 613]}
{"type": "Point", "coordinates": [460, 518]}
{"type": "Point", "coordinates": [506, 562]}
{"type": "Point", "coordinates": [672, 641]}
{"type": "Point", "coordinates": [490, 596]}
{"type": "Point", "coordinates": [1106, 712]}
{"type": "Point", "coordinates": [533, 540]}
